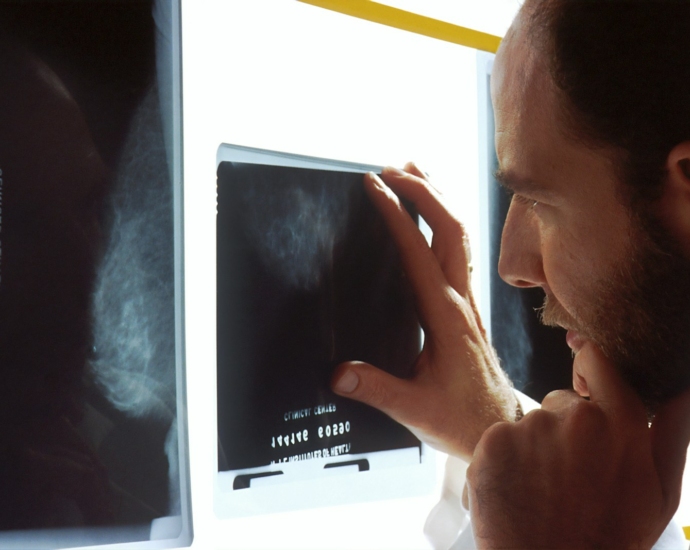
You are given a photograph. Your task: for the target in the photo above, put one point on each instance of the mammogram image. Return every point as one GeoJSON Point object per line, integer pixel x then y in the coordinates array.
{"type": "Point", "coordinates": [88, 400]}
{"type": "Point", "coordinates": [308, 277]}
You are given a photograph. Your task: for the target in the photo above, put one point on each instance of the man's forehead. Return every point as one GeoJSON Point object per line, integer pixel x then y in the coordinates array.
{"type": "Point", "coordinates": [523, 98]}
{"type": "Point", "coordinates": [520, 69]}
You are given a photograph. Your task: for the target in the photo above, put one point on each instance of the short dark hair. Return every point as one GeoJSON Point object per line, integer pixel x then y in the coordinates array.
{"type": "Point", "coordinates": [623, 69]}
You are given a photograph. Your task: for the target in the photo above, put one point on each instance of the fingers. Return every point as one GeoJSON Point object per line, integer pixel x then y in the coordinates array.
{"type": "Point", "coordinates": [560, 401]}
{"type": "Point", "coordinates": [413, 169]}
{"type": "Point", "coordinates": [450, 244]}
{"type": "Point", "coordinates": [363, 382]}
{"type": "Point", "coordinates": [670, 434]}
{"type": "Point", "coordinates": [607, 388]}
{"type": "Point", "coordinates": [424, 272]}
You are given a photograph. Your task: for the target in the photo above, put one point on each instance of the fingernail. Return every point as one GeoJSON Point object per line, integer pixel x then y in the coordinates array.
{"type": "Point", "coordinates": [394, 171]}
{"type": "Point", "coordinates": [347, 383]}
{"type": "Point", "coordinates": [375, 180]}
{"type": "Point", "coordinates": [411, 166]}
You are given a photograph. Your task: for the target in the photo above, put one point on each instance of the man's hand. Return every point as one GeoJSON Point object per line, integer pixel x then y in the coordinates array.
{"type": "Point", "coordinates": [579, 473]}
{"type": "Point", "coordinates": [458, 389]}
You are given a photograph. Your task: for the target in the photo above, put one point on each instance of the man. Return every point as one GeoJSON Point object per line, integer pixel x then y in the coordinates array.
{"type": "Point", "coordinates": [593, 137]}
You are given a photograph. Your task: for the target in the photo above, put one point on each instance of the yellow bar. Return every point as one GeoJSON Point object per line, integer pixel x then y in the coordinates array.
{"type": "Point", "coordinates": [686, 532]}
{"type": "Point", "coordinates": [408, 21]}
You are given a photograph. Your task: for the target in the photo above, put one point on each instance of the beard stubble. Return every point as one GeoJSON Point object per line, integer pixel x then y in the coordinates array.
{"type": "Point", "coordinates": [639, 315]}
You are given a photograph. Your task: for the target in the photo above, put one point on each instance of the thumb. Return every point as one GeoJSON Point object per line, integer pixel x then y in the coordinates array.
{"type": "Point", "coordinates": [377, 388]}
{"type": "Point", "coordinates": [670, 435]}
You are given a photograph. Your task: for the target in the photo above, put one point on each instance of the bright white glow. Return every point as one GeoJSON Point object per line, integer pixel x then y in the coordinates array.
{"type": "Point", "coordinates": [282, 75]}
{"type": "Point", "coordinates": [286, 76]}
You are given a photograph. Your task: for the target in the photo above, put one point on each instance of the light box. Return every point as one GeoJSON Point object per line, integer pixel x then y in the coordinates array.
{"type": "Point", "coordinates": [307, 277]}
{"type": "Point", "coordinates": [93, 424]}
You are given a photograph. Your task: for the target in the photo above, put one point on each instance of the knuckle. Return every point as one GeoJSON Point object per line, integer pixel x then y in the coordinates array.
{"type": "Point", "coordinates": [497, 439]}
{"type": "Point", "coordinates": [536, 427]}
{"type": "Point", "coordinates": [560, 394]}
{"type": "Point", "coordinates": [459, 305]}
{"type": "Point", "coordinates": [459, 229]}
{"type": "Point", "coordinates": [456, 229]}
{"type": "Point", "coordinates": [538, 420]}
{"type": "Point", "coordinates": [587, 416]}
{"type": "Point", "coordinates": [373, 392]}
{"type": "Point", "coordinates": [577, 414]}
{"type": "Point", "coordinates": [557, 399]}
{"type": "Point", "coordinates": [492, 455]}
{"type": "Point", "coordinates": [419, 184]}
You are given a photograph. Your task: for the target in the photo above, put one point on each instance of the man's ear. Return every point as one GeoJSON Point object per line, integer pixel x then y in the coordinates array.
{"type": "Point", "coordinates": [675, 203]}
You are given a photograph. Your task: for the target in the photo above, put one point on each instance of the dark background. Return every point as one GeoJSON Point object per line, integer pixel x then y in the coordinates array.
{"type": "Point", "coordinates": [102, 50]}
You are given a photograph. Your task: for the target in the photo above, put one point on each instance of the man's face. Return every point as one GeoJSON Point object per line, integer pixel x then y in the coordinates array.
{"type": "Point", "coordinates": [606, 276]}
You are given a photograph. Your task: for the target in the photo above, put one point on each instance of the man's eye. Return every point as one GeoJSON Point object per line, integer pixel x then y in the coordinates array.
{"type": "Point", "coordinates": [531, 203]}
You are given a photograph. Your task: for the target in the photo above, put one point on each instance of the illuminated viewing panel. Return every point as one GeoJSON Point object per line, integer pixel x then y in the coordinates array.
{"type": "Point", "coordinates": [93, 418]}
{"type": "Point", "coordinates": [307, 277]}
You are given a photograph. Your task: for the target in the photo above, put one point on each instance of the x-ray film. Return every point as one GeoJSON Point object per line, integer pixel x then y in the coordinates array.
{"type": "Point", "coordinates": [307, 277]}
{"type": "Point", "coordinates": [93, 431]}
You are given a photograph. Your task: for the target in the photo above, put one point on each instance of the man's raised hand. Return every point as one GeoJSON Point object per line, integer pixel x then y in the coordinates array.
{"type": "Point", "coordinates": [458, 389]}
{"type": "Point", "coordinates": [581, 473]}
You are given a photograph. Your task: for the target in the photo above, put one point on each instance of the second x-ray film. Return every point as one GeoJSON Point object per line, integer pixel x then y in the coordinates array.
{"type": "Point", "coordinates": [307, 277]}
{"type": "Point", "coordinates": [93, 408]}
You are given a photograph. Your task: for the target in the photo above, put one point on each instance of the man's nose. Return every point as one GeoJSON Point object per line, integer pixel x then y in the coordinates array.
{"type": "Point", "coordinates": [520, 263]}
